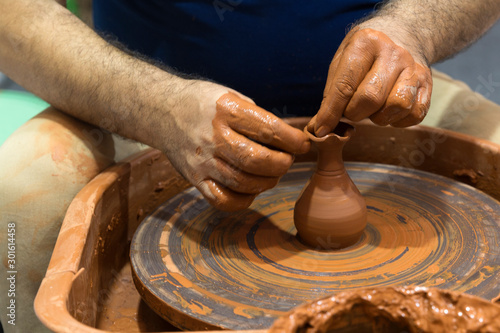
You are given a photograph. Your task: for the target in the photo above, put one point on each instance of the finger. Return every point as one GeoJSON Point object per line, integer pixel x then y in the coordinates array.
{"type": "Point", "coordinates": [400, 101]}
{"type": "Point", "coordinates": [249, 156]}
{"type": "Point", "coordinates": [344, 77]}
{"type": "Point", "coordinates": [419, 109]}
{"type": "Point", "coordinates": [374, 90]}
{"type": "Point", "coordinates": [311, 124]}
{"type": "Point", "coordinates": [423, 100]}
{"type": "Point", "coordinates": [240, 181]}
{"type": "Point", "coordinates": [260, 125]}
{"type": "Point", "coordinates": [224, 198]}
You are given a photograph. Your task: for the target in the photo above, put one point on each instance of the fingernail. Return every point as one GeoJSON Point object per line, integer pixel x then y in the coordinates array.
{"type": "Point", "coordinates": [322, 131]}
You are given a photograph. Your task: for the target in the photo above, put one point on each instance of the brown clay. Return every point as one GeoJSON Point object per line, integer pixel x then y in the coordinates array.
{"type": "Point", "coordinates": [330, 212]}
{"type": "Point", "coordinates": [391, 310]}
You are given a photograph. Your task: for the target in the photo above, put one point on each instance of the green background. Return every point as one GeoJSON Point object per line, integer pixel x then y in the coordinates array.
{"type": "Point", "coordinates": [16, 108]}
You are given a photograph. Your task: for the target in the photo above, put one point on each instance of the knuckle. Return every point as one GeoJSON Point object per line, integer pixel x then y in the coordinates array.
{"type": "Point", "coordinates": [398, 52]}
{"type": "Point", "coordinates": [233, 113]}
{"type": "Point", "coordinates": [404, 97]}
{"type": "Point", "coordinates": [251, 160]}
{"type": "Point", "coordinates": [345, 88]}
{"type": "Point", "coordinates": [401, 55]}
{"type": "Point", "coordinates": [361, 37]}
{"type": "Point", "coordinates": [238, 178]}
{"type": "Point", "coordinates": [404, 102]}
{"type": "Point", "coordinates": [244, 183]}
{"type": "Point", "coordinates": [372, 96]}
{"type": "Point", "coordinates": [237, 154]}
{"type": "Point", "coordinates": [244, 159]}
{"type": "Point", "coordinates": [223, 137]}
{"type": "Point", "coordinates": [365, 37]}
{"type": "Point", "coordinates": [270, 131]}
{"type": "Point", "coordinates": [327, 106]}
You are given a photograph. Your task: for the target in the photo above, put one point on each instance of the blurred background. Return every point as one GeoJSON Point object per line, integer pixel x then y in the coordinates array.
{"type": "Point", "coordinates": [478, 66]}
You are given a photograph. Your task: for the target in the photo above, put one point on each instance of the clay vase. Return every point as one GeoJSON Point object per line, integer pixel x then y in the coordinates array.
{"type": "Point", "coordinates": [330, 212]}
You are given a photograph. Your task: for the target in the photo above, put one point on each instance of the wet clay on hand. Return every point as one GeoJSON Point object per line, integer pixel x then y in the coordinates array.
{"type": "Point", "coordinates": [253, 149]}
{"type": "Point", "coordinates": [393, 310]}
{"type": "Point", "coordinates": [330, 212]}
{"type": "Point", "coordinates": [227, 147]}
{"type": "Point", "coordinates": [372, 76]}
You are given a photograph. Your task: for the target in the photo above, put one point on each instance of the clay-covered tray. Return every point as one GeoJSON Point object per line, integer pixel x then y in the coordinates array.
{"type": "Point", "coordinates": [88, 286]}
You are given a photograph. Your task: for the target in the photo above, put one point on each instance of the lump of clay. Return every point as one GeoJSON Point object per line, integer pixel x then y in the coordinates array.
{"type": "Point", "coordinates": [393, 310]}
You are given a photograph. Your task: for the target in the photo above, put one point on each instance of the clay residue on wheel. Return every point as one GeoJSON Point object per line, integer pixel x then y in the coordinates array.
{"type": "Point", "coordinates": [387, 310]}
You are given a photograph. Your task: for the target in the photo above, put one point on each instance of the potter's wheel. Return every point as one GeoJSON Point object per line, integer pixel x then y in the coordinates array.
{"type": "Point", "coordinates": [201, 268]}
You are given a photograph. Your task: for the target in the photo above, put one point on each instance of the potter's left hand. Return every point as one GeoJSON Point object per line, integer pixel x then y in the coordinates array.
{"type": "Point", "coordinates": [377, 77]}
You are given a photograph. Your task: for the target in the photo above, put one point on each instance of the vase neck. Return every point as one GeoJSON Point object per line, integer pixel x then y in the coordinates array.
{"type": "Point", "coordinates": [330, 156]}
{"type": "Point", "coordinates": [330, 148]}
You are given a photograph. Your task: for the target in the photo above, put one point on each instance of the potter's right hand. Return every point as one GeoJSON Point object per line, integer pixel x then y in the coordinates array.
{"type": "Point", "coordinates": [228, 147]}
{"type": "Point", "coordinates": [376, 74]}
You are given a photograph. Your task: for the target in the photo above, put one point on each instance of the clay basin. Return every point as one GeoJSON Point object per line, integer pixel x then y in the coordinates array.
{"type": "Point", "coordinates": [88, 286]}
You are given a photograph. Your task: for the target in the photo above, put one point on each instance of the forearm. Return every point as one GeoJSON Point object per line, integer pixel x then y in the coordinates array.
{"type": "Point", "coordinates": [436, 29]}
{"type": "Point", "coordinates": [56, 56]}
{"type": "Point", "coordinates": [219, 140]}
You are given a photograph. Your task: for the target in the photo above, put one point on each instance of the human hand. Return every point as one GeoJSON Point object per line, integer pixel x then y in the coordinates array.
{"type": "Point", "coordinates": [373, 76]}
{"type": "Point", "coordinates": [228, 147]}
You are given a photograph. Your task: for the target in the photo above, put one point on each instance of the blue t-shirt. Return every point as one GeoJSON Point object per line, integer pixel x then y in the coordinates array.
{"type": "Point", "coordinates": [276, 52]}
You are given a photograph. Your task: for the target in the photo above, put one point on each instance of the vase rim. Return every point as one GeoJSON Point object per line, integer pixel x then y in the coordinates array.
{"type": "Point", "coordinates": [343, 131]}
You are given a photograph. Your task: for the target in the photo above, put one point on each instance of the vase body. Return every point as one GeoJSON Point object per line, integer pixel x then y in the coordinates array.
{"type": "Point", "coordinates": [330, 212]}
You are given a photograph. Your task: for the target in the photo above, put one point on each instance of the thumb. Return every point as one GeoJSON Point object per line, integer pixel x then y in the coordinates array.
{"type": "Point", "coordinates": [327, 117]}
